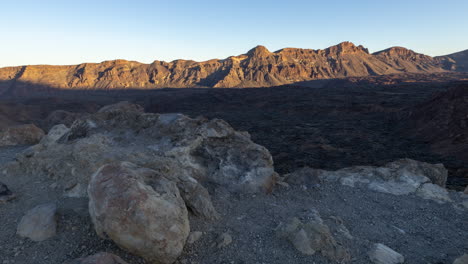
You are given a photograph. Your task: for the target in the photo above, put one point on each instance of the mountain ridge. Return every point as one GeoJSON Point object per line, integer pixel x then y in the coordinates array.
{"type": "Point", "coordinates": [259, 67]}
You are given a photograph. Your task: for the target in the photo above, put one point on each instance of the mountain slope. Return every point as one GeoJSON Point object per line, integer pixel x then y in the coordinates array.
{"type": "Point", "coordinates": [257, 68]}
{"type": "Point", "coordinates": [456, 61]}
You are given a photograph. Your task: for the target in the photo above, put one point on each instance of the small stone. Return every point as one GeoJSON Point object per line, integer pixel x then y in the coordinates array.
{"type": "Point", "coordinates": [76, 191]}
{"type": "Point", "coordinates": [381, 254]}
{"type": "Point", "coordinates": [462, 260]}
{"type": "Point", "coordinates": [194, 237]}
{"type": "Point", "coordinates": [224, 240]}
{"type": "Point", "coordinates": [5, 194]}
{"type": "Point", "coordinates": [39, 223]}
{"type": "Point", "coordinates": [99, 258]}
{"type": "Point", "coordinates": [433, 192]}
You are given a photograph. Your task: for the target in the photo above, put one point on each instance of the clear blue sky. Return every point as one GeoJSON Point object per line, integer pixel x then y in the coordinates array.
{"type": "Point", "coordinates": [71, 32]}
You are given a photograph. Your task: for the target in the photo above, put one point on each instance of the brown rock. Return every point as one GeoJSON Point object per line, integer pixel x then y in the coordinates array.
{"type": "Point", "coordinates": [21, 135]}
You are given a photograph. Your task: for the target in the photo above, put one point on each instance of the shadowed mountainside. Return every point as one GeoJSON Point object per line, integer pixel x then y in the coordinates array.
{"type": "Point", "coordinates": [457, 61]}
{"type": "Point", "coordinates": [257, 68]}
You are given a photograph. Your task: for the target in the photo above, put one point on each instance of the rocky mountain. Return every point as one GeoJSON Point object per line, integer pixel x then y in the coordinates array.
{"type": "Point", "coordinates": [457, 61]}
{"type": "Point", "coordinates": [257, 68]}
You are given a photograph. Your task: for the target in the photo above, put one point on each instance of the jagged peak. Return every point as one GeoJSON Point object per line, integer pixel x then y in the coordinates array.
{"type": "Point", "coordinates": [396, 50]}
{"type": "Point", "coordinates": [259, 51]}
{"type": "Point", "coordinates": [347, 47]}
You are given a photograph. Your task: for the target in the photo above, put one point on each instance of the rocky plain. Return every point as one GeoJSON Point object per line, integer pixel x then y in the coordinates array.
{"type": "Point", "coordinates": [364, 166]}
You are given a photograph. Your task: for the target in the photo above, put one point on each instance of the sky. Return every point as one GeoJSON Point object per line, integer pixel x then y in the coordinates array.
{"type": "Point", "coordinates": [71, 32]}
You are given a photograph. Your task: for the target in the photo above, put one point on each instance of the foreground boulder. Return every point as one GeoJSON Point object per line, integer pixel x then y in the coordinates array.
{"type": "Point", "coordinates": [140, 210]}
{"type": "Point", "coordinates": [99, 258]}
{"type": "Point", "coordinates": [209, 151]}
{"type": "Point", "coordinates": [39, 223]}
{"type": "Point", "coordinates": [21, 135]}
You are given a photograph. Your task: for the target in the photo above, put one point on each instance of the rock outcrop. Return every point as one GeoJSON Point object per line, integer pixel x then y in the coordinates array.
{"type": "Point", "coordinates": [257, 68]}
{"type": "Point", "coordinates": [188, 151]}
{"type": "Point", "coordinates": [140, 210]}
{"type": "Point", "coordinates": [401, 177]}
{"type": "Point", "coordinates": [313, 236]}
{"type": "Point", "coordinates": [21, 135]}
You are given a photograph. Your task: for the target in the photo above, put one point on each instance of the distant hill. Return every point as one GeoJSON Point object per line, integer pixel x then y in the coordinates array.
{"type": "Point", "coordinates": [257, 68]}
{"type": "Point", "coordinates": [457, 61]}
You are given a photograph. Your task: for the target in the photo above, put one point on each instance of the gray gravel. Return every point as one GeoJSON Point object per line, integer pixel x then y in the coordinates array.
{"type": "Point", "coordinates": [421, 230]}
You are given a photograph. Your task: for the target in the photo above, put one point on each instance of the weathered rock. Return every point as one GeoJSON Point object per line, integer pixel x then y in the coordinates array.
{"type": "Point", "coordinates": [21, 135]}
{"type": "Point", "coordinates": [196, 197]}
{"type": "Point", "coordinates": [39, 223]}
{"type": "Point", "coordinates": [399, 178]}
{"type": "Point", "coordinates": [123, 106]}
{"type": "Point", "coordinates": [433, 192]}
{"type": "Point", "coordinates": [58, 117]}
{"type": "Point", "coordinates": [313, 236]}
{"type": "Point", "coordinates": [54, 134]}
{"type": "Point", "coordinates": [224, 240]}
{"type": "Point", "coordinates": [182, 149]}
{"type": "Point", "coordinates": [194, 237]}
{"type": "Point", "coordinates": [76, 190]}
{"type": "Point", "coordinates": [462, 260]}
{"type": "Point", "coordinates": [99, 258]}
{"type": "Point", "coordinates": [381, 254]}
{"type": "Point", "coordinates": [140, 210]}
{"type": "Point", "coordinates": [5, 194]}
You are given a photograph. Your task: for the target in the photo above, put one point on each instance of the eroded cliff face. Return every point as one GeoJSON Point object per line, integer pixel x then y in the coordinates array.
{"type": "Point", "coordinates": [257, 68]}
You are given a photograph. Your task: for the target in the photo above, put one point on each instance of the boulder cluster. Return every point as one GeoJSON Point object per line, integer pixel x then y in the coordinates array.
{"type": "Point", "coordinates": [142, 174]}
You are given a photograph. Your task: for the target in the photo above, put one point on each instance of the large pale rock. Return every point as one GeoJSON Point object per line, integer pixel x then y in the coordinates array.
{"type": "Point", "coordinates": [99, 258]}
{"type": "Point", "coordinates": [140, 210]}
{"type": "Point", "coordinates": [313, 236]}
{"type": "Point", "coordinates": [54, 134]}
{"type": "Point", "coordinates": [21, 135]}
{"type": "Point", "coordinates": [462, 260]}
{"type": "Point", "coordinates": [381, 254]}
{"type": "Point", "coordinates": [181, 148]}
{"type": "Point", "coordinates": [399, 178]}
{"type": "Point", "coordinates": [39, 223]}
{"type": "Point", "coordinates": [433, 192]}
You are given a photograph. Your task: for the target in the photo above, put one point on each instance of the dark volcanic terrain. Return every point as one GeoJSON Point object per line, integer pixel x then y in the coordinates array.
{"type": "Point", "coordinates": [327, 124]}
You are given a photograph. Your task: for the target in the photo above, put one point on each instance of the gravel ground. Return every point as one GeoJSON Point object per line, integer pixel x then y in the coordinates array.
{"type": "Point", "coordinates": [421, 230]}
